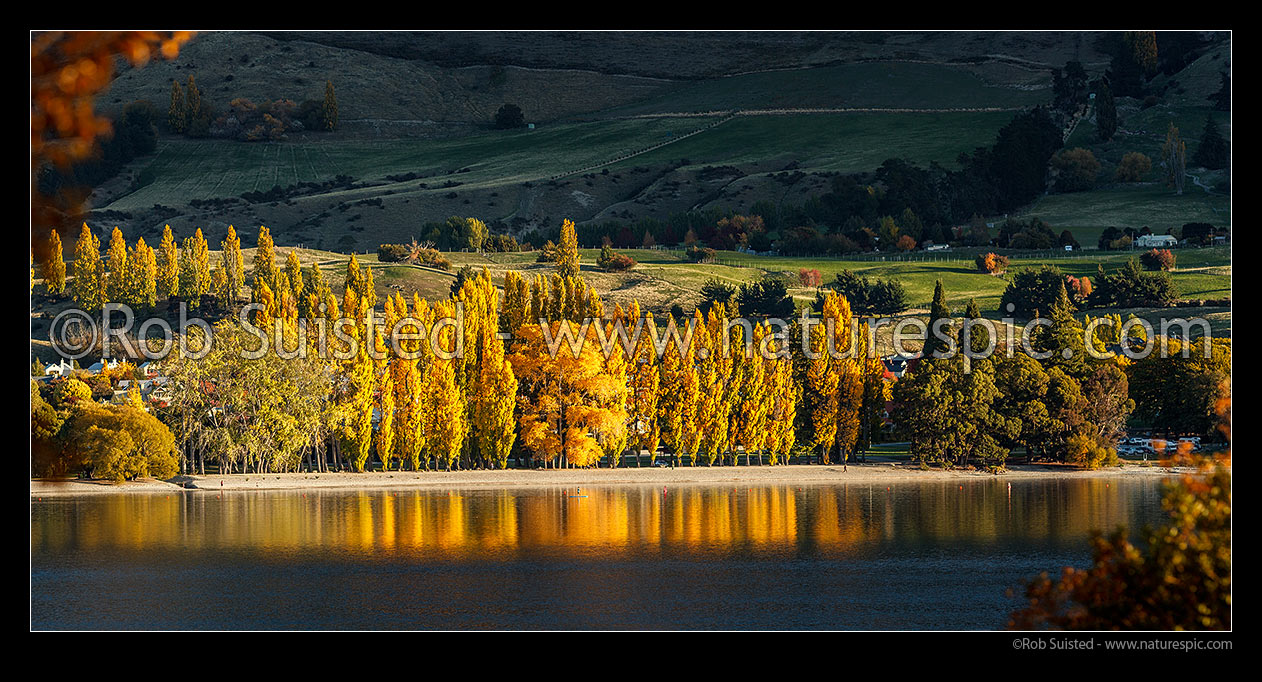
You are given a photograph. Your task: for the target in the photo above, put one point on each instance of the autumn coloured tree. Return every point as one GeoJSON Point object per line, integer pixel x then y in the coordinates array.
{"type": "Point", "coordinates": [567, 258]}
{"type": "Point", "coordinates": [232, 263]}
{"type": "Point", "coordinates": [116, 268]}
{"type": "Point", "coordinates": [194, 268]}
{"type": "Point", "coordinates": [168, 264]}
{"type": "Point", "coordinates": [55, 270]}
{"type": "Point", "coordinates": [567, 400]}
{"type": "Point", "coordinates": [87, 289]}
{"type": "Point", "coordinates": [68, 70]}
{"type": "Point", "coordinates": [176, 114]}
{"type": "Point", "coordinates": [329, 110]}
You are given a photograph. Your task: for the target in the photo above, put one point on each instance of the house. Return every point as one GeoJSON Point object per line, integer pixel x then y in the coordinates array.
{"type": "Point", "coordinates": [938, 247]}
{"type": "Point", "coordinates": [98, 367]}
{"type": "Point", "coordinates": [150, 369]}
{"type": "Point", "coordinates": [897, 365]}
{"type": "Point", "coordinates": [61, 369]}
{"type": "Point", "coordinates": [1145, 241]}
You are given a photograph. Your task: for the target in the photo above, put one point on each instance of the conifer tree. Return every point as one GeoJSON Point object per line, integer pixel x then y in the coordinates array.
{"type": "Point", "coordinates": [1174, 158]}
{"type": "Point", "coordinates": [937, 311]}
{"type": "Point", "coordinates": [1213, 151]}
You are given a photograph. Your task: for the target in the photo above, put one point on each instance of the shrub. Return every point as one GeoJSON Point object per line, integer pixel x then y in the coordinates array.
{"type": "Point", "coordinates": [548, 253]}
{"type": "Point", "coordinates": [991, 263]}
{"type": "Point", "coordinates": [1133, 167]}
{"type": "Point", "coordinates": [1157, 259]}
{"type": "Point", "coordinates": [809, 277]}
{"type": "Point", "coordinates": [1076, 169]}
{"type": "Point", "coordinates": [700, 254]}
{"type": "Point", "coordinates": [394, 253]}
{"type": "Point", "coordinates": [611, 261]}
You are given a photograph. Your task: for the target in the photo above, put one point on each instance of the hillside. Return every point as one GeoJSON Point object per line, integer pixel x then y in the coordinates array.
{"type": "Point", "coordinates": [614, 140]}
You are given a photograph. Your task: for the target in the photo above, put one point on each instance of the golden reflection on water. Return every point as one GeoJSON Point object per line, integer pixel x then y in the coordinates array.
{"type": "Point", "coordinates": [607, 522]}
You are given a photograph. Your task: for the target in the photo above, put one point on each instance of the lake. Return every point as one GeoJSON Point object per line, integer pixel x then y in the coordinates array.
{"type": "Point", "coordinates": [916, 555]}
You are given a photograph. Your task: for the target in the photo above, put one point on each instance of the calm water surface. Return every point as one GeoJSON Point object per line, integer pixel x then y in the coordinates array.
{"type": "Point", "coordinates": [913, 556]}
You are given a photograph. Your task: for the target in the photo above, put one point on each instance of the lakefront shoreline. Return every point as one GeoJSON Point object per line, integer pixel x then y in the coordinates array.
{"type": "Point", "coordinates": [797, 474]}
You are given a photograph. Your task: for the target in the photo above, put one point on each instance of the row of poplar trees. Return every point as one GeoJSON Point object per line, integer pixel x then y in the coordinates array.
{"type": "Point", "coordinates": [500, 385]}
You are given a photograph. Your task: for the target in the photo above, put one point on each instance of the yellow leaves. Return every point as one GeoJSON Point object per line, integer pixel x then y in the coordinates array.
{"type": "Point", "coordinates": [569, 401]}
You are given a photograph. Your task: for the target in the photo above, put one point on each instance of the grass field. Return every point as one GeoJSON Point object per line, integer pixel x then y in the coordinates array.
{"type": "Point", "coordinates": [663, 277]}
{"type": "Point", "coordinates": [1086, 214]}
{"type": "Point", "coordinates": [850, 142]}
{"type": "Point", "coordinates": [874, 84]}
{"type": "Point", "coordinates": [184, 170]}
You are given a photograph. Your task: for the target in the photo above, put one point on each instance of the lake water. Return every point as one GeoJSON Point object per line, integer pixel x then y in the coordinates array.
{"type": "Point", "coordinates": [912, 556]}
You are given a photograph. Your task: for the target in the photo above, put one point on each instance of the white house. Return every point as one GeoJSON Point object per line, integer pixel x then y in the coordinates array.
{"type": "Point", "coordinates": [1146, 241]}
{"type": "Point", "coordinates": [61, 369]}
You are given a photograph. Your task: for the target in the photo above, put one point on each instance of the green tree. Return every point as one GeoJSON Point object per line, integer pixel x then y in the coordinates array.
{"type": "Point", "coordinates": [1174, 158]}
{"type": "Point", "coordinates": [1213, 150]}
{"type": "Point", "coordinates": [938, 310]}
{"type": "Point", "coordinates": [1105, 113]}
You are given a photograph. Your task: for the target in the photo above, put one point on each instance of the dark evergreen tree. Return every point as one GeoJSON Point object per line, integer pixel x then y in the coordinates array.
{"type": "Point", "coordinates": [938, 310]}
{"type": "Point", "coordinates": [1213, 150]}
{"type": "Point", "coordinates": [1105, 113]}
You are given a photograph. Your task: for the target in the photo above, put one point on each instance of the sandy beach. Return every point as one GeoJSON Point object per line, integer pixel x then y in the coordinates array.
{"type": "Point", "coordinates": [872, 472]}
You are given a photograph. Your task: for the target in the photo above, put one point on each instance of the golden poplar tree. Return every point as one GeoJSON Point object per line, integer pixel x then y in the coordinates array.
{"type": "Point", "coordinates": [293, 269]}
{"type": "Point", "coordinates": [644, 382]}
{"type": "Point", "coordinates": [142, 276]}
{"type": "Point", "coordinates": [88, 286]}
{"type": "Point", "coordinates": [265, 258]}
{"type": "Point", "coordinates": [385, 403]}
{"type": "Point", "coordinates": [233, 265]}
{"type": "Point", "coordinates": [194, 268]}
{"type": "Point", "coordinates": [116, 268]}
{"type": "Point", "coordinates": [496, 400]}
{"type": "Point", "coordinates": [711, 420]}
{"type": "Point", "coordinates": [678, 397]}
{"type": "Point", "coordinates": [357, 395]}
{"type": "Point", "coordinates": [754, 399]}
{"type": "Point", "coordinates": [168, 265]}
{"type": "Point", "coordinates": [448, 418]}
{"type": "Point", "coordinates": [822, 379]}
{"type": "Point", "coordinates": [54, 270]}
{"type": "Point", "coordinates": [568, 261]}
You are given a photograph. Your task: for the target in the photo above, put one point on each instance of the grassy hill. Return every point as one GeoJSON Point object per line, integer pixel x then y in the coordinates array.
{"type": "Point", "coordinates": [416, 105]}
